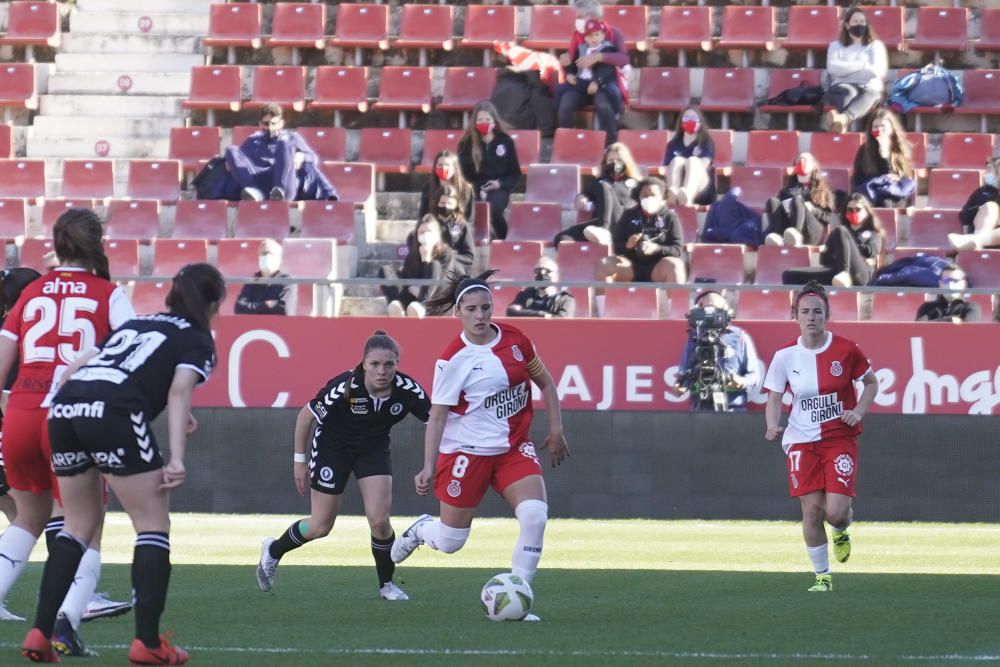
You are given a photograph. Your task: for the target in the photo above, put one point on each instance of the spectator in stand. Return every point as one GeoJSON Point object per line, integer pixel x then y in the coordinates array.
{"type": "Point", "coordinates": [606, 198]}
{"type": "Point", "coordinates": [447, 171]}
{"type": "Point", "coordinates": [805, 208]}
{"type": "Point", "coordinates": [856, 65]}
{"type": "Point", "coordinates": [852, 251]}
{"type": "Point", "coordinates": [489, 162]}
{"type": "Point", "coordinates": [266, 298]}
{"type": "Point", "coordinates": [272, 163]}
{"type": "Point", "coordinates": [950, 307]}
{"type": "Point", "coordinates": [429, 258]}
{"type": "Point", "coordinates": [689, 160]}
{"type": "Point", "coordinates": [456, 230]}
{"type": "Point", "coordinates": [883, 169]}
{"type": "Point", "coordinates": [547, 301]}
{"type": "Point", "coordinates": [980, 217]}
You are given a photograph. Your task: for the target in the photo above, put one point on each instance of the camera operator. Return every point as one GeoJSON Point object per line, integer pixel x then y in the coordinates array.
{"type": "Point", "coordinates": [719, 364]}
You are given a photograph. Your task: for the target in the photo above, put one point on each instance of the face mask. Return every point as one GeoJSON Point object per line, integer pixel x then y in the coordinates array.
{"type": "Point", "coordinates": [269, 264]}
{"type": "Point", "coordinates": [445, 211]}
{"type": "Point", "coordinates": [853, 217]}
{"type": "Point", "coordinates": [801, 168]}
{"type": "Point", "coordinates": [858, 30]}
{"type": "Point", "coordinates": [690, 126]}
{"type": "Point", "coordinates": [990, 180]}
{"type": "Point", "coordinates": [543, 276]}
{"type": "Point", "coordinates": [651, 205]}
{"type": "Point", "coordinates": [484, 128]}
{"type": "Point", "coordinates": [426, 239]}
{"type": "Point", "coordinates": [443, 173]}
{"type": "Point", "coordinates": [876, 132]}
{"type": "Point", "coordinates": [580, 24]}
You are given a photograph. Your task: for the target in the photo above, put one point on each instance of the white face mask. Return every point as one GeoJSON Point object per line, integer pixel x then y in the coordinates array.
{"type": "Point", "coordinates": [426, 239]}
{"type": "Point", "coordinates": [269, 264]}
{"type": "Point", "coordinates": [580, 24]}
{"type": "Point", "coordinates": [651, 205]}
{"type": "Point", "coordinates": [990, 179]}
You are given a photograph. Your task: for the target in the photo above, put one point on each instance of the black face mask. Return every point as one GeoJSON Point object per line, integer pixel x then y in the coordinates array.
{"type": "Point", "coordinates": [858, 30]}
{"type": "Point", "coordinates": [443, 212]}
{"type": "Point", "coordinates": [543, 276]}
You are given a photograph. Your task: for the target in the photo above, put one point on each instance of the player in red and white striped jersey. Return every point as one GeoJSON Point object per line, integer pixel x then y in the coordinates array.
{"type": "Point", "coordinates": [478, 432]}
{"type": "Point", "coordinates": [820, 370]}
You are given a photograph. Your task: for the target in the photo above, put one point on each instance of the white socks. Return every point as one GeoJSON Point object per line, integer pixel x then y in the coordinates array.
{"type": "Point", "coordinates": [531, 515]}
{"type": "Point", "coordinates": [444, 538]}
{"type": "Point", "coordinates": [820, 558]}
{"type": "Point", "coordinates": [15, 549]}
{"type": "Point", "coordinates": [84, 585]}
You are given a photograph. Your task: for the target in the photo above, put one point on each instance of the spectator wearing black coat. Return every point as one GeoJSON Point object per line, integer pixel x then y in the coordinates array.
{"type": "Point", "coordinates": [548, 301]}
{"type": "Point", "coordinates": [489, 162]}
{"type": "Point", "coordinates": [980, 217]}
{"type": "Point", "coordinates": [429, 258]}
{"type": "Point", "coordinates": [266, 298]}
{"type": "Point", "coordinates": [804, 209]}
{"type": "Point", "coordinates": [950, 307]}
{"type": "Point", "coordinates": [606, 198]}
{"type": "Point", "coordinates": [447, 171]}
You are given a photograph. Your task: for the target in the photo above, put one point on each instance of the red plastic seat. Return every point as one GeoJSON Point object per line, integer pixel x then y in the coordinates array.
{"type": "Point", "coordinates": [92, 179]}
{"type": "Point", "coordinates": [835, 151]}
{"type": "Point", "coordinates": [663, 89]}
{"type": "Point", "coordinates": [361, 26]}
{"type": "Point", "coordinates": [688, 217]}
{"type": "Point", "coordinates": [720, 263]}
{"type": "Point", "coordinates": [811, 27]}
{"type": "Point", "coordinates": [436, 141]}
{"type": "Point", "coordinates": [279, 85]}
{"type": "Point", "coordinates": [514, 260]}
{"type": "Point", "coordinates": [648, 147]}
{"type": "Point", "coordinates": [53, 208]}
{"type": "Point", "coordinates": [150, 297]}
{"type": "Point", "coordinates": [123, 256]}
{"type": "Point", "coordinates": [133, 219]}
{"type": "Point", "coordinates": [950, 188]}
{"type": "Point", "coordinates": [887, 24]}
{"type": "Point", "coordinates": [32, 253]}
{"type": "Point", "coordinates": [582, 297]}
{"type": "Point", "coordinates": [727, 90]}
{"type": "Point", "coordinates": [6, 142]}
{"type": "Point", "coordinates": [758, 184]}
{"type": "Point", "coordinates": [898, 307]}
{"type": "Point", "coordinates": [633, 21]}
{"type": "Point", "coordinates": [238, 258]}
{"type": "Point", "coordinates": [529, 221]}
{"type": "Point", "coordinates": [235, 24]}
{"type": "Point", "coordinates": [929, 228]}
{"type": "Point", "coordinates": [486, 24]}
{"type": "Point", "coordinates": [310, 258]}
{"type": "Point", "coordinates": [22, 178]}
{"type": "Point", "coordinates": [215, 87]}
{"type": "Point", "coordinates": [748, 27]}
{"type": "Point", "coordinates": [154, 179]}
{"type": "Point", "coordinates": [982, 94]}
{"type": "Point", "coordinates": [13, 218]}
{"type": "Point", "coordinates": [388, 149]}
{"type": "Point", "coordinates": [329, 143]}
{"type": "Point", "coordinates": [298, 25]}
{"type": "Point", "coordinates": [355, 181]}
{"type": "Point", "coordinates": [772, 148]}
{"type": "Point", "coordinates": [902, 253]}
{"type": "Point", "coordinates": [764, 305]}
{"type": "Point", "coordinates": [528, 144]}
{"type": "Point", "coordinates": [194, 146]}
{"type": "Point", "coordinates": [633, 303]}
{"type": "Point", "coordinates": [580, 147]}
{"type": "Point", "coordinates": [261, 220]}
{"type": "Point", "coordinates": [552, 27]}
{"type": "Point", "coordinates": [404, 89]}
{"type": "Point", "coordinates": [32, 24]}
{"type": "Point", "coordinates": [772, 261]}
{"type": "Point", "coordinates": [201, 219]}
{"type": "Point", "coordinates": [425, 27]}
{"type": "Point", "coordinates": [844, 306]}
{"type": "Point", "coordinates": [838, 179]}
{"type": "Point", "coordinates": [989, 30]}
{"type": "Point", "coordinates": [241, 133]}
{"type": "Point", "coordinates": [684, 28]}
{"type": "Point", "coordinates": [328, 220]}
{"type": "Point", "coordinates": [341, 88]}
{"type": "Point", "coordinates": [723, 149]}
{"type": "Point", "coordinates": [578, 261]}
{"type": "Point", "coordinates": [553, 184]}
{"type": "Point", "coordinates": [918, 151]}
{"type": "Point", "coordinates": [782, 79]}
{"type": "Point", "coordinates": [966, 151]}
{"type": "Point", "coordinates": [18, 86]}
{"type": "Point", "coordinates": [171, 255]}
{"type": "Point", "coordinates": [941, 29]}
{"type": "Point", "coordinates": [982, 268]}
{"type": "Point", "coordinates": [464, 87]}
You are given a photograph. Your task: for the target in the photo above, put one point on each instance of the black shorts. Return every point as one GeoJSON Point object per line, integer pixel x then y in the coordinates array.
{"type": "Point", "coordinates": [91, 433]}
{"type": "Point", "coordinates": [642, 270]}
{"type": "Point", "coordinates": [330, 466]}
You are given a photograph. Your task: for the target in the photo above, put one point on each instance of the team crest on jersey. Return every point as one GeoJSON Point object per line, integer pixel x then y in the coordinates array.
{"type": "Point", "coordinates": [501, 150]}
{"type": "Point", "coordinates": [395, 409]}
{"type": "Point", "coordinates": [454, 488]}
{"type": "Point", "coordinates": [836, 370]}
{"type": "Point", "coordinates": [516, 351]}
{"type": "Point", "coordinates": [844, 465]}
{"type": "Point", "coordinates": [527, 450]}
{"type": "Point", "coordinates": [326, 473]}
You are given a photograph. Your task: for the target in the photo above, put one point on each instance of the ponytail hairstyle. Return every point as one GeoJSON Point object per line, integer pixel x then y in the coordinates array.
{"type": "Point", "coordinates": [77, 235]}
{"type": "Point", "coordinates": [458, 285]}
{"type": "Point", "coordinates": [196, 293]}
{"type": "Point", "coordinates": [379, 340]}
{"type": "Point", "coordinates": [811, 288]}
{"type": "Point", "coordinates": [12, 283]}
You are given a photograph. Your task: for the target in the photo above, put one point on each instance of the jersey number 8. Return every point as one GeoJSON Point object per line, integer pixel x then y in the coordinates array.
{"type": "Point", "coordinates": [461, 465]}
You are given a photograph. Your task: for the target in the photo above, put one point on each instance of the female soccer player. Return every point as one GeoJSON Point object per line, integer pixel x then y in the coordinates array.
{"type": "Point", "coordinates": [57, 317]}
{"type": "Point", "coordinates": [99, 425]}
{"type": "Point", "coordinates": [355, 412]}
{"type": "Point", "coordinates": [478, 432]}
{"type": "Point", "coordinates": [820, 440]}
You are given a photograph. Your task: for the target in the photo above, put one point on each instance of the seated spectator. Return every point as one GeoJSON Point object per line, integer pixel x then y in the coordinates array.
{"type": "Point", "coordinates": [446, 171]}
{"type": "Point", "coordinates": [608, 49]}
{"type": "Point", "coordinates": [429, 258]}
{"type": "Point", "coordinates": [980, 217]}
{"type": "Point", "coordinates": [689, 159]}
{"type": "Point", "coordinates": [456, 231]}
{"type": "Point", "coordinates": [856, 65]}
{"type": "Point", "coordinates": [268, 298]}
{"type": "Point", "coordinates": [950, 307]}
{"type": "Point", "coordinates": [802, 212]}
{"type": "Point", "coordinates": [606, 198]}
{"type": "Point", "coordinates": [548, 301]}
{"type": "Point", "coordinates": [489, 162]}
{"type": "Point", "coordinates": [883, 169]}
{"type": "Point", "coordinates": [648, 241]}
{"type": "Point", "coordinates": [852, 251]}
{"type": "Point", "coordinates": [272, 163]}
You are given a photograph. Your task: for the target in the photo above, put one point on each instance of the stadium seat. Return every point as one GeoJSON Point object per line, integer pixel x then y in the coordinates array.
{"type": "Point", "coordinates": [241, 133]}
{"type": "Point", "coordinates": [154, 179]}
{"type": "Point", "coordinates": [723, 149]}
{"type": "Point", "coordinates": [32, 24]}
{"type": "Point", "coordinates": [950, 188]}
{"type": "Point", "coordinates": [684, 28]}
{"type": "Point", "coordinates": [552, 26]}
{"type": "Point", "coordinates": [663, 89]}
{"type": "Point", "coordinates": [194, 146]}
{"type": "Point", "coordinates": [311, 258]}
{"type": "Point", "coordinates": [989, 30]}
{"type": "Point", "coordinates": [764, 304]}
{"type": "Point", "coordinates": [583, 148]}
{"type": "Point", "coordinates": [238, 257]}
{"type": "Point", "coordinates": [887, 24]}
{"type": "Point", "coordinates": [781, 79]}
{"type": "Point", "coordinates": [902, 253]}
{"type": "Point", "coordinates": [486, 24]}
{"type": "Point", "coordinates": [329, 143]}
{"type": "Point", "coordinates": [811, 28]}
{"type": "Point", "coordinates": [898, 307]}
{"type": "Point", "coordinates": [835, 151]}
{"type": "Point", "coordinates": [748, 27]}
{"type": "Point", "coordinates": [648, 147]}
{"type": "Point", "coordinates": [201, 219]}
{"type": "Point", "coordinates": [340, 89]}
{"type": "Point", "coordinates": [279, 85]}
{"type": "Point", "coordinates": [553, 183]}
{"type": "Point", "coordinates": [929, 228]}
{"type": "Point", "coordinates": [530, 221]}
{"type": "Point", "coordinates": [772, 261]}
{"type": "Point", "coordinates": [966, 151]}
{"type": "Point", "coordinates": [633, 21]}
{"type": "Point", "coordinates": [149, 297]}
{"type": "Point", "coordinates": [528, 144]}
{"type": "Point", "coordinates": [92, 179]}
{"type": "Point", "coordinates": [298, 25]}
{"type": "Point", "coordinates": [918, 152]}
{"type": "Point", "coordinates": [889, 217]}
{"type": "Point", "coordinates": [688, 217]}
{"type": "Point", "coordinates": [758, 184]}
{"type": "Point", "coordinates": [133, 219]}
{"type": "Point", "coordinates": [982, 268]}
{"type": "Point", "coordinates": [578, 261]}
{"type": "Point", "coordinates": [772, 148]}
{"type": "Point", "coordinates": [22, 178]}
{"type": "Point", "coordinates": [32, 253]}
{"type": "Point", "coordinates": [716, 263]}
{"type": "Point", "coordinates": [386, 148]}
{"type": "Point", "coordinates": [464, 87]}
{"type": "Point", "coordinates": [425, 27]}
{"type": "Point", "coordinates": [233, 25]}
{"type": "Point", "coordinates": [838, 179]}
{"type": "Point", "coordinates": [171, 255]}
{"type": "Point", "coordinates": [328, 220]}
{"type": "Point", "coordinates": [941, 29]}
{"type": "Point", "coordinates": [404, 89]}
{"type": "Point", "coordinates": [123, 256]}
{"type": "Point", "coordinates": [982, 94]}
{"type": "Point", "coordinates": [13, 219]}
{"type": "Point", "coordinates": [436, 141]}
{"type": "Point", "coordinates": [634, 303]}
{"type": "Point", "coordinates": [582, 299]}
{"type": "Point", "coordinates": [727, 90]}
{"type": "Point", "coordinates": [355, 181]}
{"type": "Point", "coordinates": [843, 306]}
{"type": "Point", "coordinates": [215, 87]}
{"type": "Point", "coordinates": [514, 260]}
{"type": "Point", "coordinates": [18, 86]}
{"type": "Point", "coordinates": [53, 208]}
{"type": "Point", "coordinates": [261, 220]}
{"type": "Point", "coordinates": [6, 142]}
{"type": "Point", "coordinates": [361, 26]}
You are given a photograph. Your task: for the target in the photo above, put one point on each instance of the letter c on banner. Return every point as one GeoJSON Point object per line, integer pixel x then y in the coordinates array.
{"type": "Point", "coordinates": [235, 364]}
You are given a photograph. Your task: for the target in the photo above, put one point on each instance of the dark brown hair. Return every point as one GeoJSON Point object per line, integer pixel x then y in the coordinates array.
{"type": "Point", "coordinates": [472, 134]}
{"type": "Point", "coordinates": [379, 340]}
{"type": "Point", "coordinates": [77, 239]}
{"type": "Point", "coordinates": [702, 138]}
{"type": "Point", "coordinates": [271, 109]}
{"type": "Point", "coordinates": [12, 283]}
{"type": "Point", "coordinates": [900, 160]}
{"type": "Point", "coordinates": [872, 222]}
{"type": "Point", "coordinates": [444, 300]}
{"type": "Point", "coordinates": [845, 37]}
{"type": "Point", "coordinates": [196, 293]}
{"type": "Point", "coordinates": [811, 288]}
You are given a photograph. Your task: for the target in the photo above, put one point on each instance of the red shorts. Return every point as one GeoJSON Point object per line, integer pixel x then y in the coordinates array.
{"type": "Point", "coordinates": [27, 456]}
{"type": "Point", "coordinates": [462, 479]}
{"type": "Point", "coordinates": [828, 465]}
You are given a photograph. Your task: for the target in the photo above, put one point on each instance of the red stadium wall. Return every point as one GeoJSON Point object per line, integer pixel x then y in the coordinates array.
{"type": "Point", "coordinates": [598, 365]}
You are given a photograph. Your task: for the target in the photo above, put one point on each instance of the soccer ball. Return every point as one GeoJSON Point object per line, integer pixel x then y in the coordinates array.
{"type": "Point", "coordinates": [506, 597]}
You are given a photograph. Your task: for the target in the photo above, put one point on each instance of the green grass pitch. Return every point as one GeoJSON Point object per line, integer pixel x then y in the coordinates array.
{"type": "Point", "coordinates": [609, 592]}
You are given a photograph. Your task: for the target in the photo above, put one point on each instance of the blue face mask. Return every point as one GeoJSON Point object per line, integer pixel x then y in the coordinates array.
{"type": "Point", "coordinates": [990, 179]}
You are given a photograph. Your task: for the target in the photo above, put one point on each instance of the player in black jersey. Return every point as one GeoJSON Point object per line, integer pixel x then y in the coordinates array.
{"type": "Point", "coordinates": [99, 425]}
{"type": "Point", "coordinates": [354, 412]}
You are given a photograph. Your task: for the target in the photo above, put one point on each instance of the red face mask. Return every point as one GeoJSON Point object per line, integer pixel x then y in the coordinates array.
{"type": "Point", "coordinates": [800, 168]}
{"type": "Point", "coordinates": [876, 132]}
{"type": "Point", "coordinates": [443, 173]}
{"type": "Point", "coordinates": [690, 126]}
{"type": "Point", "coordinates": [853, 217]}
{"type": "Point", "coordinates": [484, 128]}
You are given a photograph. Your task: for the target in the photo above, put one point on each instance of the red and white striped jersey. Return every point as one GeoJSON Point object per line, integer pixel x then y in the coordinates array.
{"type": "Point", "coordinates": [822, 386]}
{"type": "Point", "coordinates": [488, 388]}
